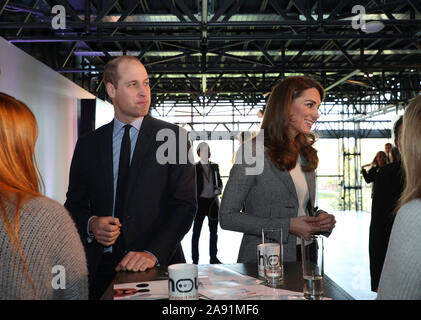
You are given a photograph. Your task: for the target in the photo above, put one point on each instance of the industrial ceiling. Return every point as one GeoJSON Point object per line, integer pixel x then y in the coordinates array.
{"type": "Point", "coordinates": [367, 54]}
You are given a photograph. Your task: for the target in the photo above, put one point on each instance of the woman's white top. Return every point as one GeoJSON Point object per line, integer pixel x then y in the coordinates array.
{"type": "Point", "coordinates": [301, 188]}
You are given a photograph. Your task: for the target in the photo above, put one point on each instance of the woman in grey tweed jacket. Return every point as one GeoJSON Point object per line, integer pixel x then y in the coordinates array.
{"type": "Point", "coordinates": [41, 255]}
{"type": "Point", "coordinates": [282, 194]}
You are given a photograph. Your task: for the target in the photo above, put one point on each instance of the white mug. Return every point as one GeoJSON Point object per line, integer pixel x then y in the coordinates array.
{"type": "Point", "coordinates": [183, 281]}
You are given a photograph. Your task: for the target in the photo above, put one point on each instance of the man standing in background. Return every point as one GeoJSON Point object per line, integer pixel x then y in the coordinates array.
{"type": "Point", "coordinates": [209, 186]}
{"type": "Point", "coordinates": [388, 150]}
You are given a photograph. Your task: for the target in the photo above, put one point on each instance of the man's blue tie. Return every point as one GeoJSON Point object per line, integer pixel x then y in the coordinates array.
{"type": "Point", "coordinates": [121, 191]}
{"type": "Point", "coordinates": [123, 174]}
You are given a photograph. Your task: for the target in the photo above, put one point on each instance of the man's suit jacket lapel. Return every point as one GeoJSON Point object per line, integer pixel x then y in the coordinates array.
{"type": "Point", "coordinates": [106, 154]}
{"type": "Point", "coordinates": [199, 178]}
{"type": "Point", "coordinates": [213, 173]}
{"type": "Point", "coordinates": [144, 140]}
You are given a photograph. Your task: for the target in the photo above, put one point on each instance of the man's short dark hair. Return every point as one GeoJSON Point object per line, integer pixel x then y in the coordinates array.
{"type": "Point", "coordinates": [201, 145]}
{"type": "Point", "coordinates": [396, 127]}
{"type": "Point", "coordinates": [111, 69]}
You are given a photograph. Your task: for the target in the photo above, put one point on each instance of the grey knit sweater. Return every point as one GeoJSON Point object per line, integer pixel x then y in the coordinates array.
{"type": "Point", "coordinates": [401, 274]}
{"type": "Point", "coordinates": [52, 250]}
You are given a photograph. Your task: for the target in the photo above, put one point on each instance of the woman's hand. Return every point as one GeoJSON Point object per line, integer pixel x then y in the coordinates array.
{"type": "Point", "coordinates": [304, 226]}
{"type": "Point", "coordinates": [326, 221]}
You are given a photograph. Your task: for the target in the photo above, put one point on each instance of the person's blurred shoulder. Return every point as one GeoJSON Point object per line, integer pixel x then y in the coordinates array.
{"type": "Point", "coordinates": [411, 211]}
{"type": "Point", "coordinates": [46, 209]}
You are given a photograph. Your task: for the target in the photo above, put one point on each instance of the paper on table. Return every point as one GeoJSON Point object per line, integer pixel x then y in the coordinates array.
{"type": "Point", "coordinates": [219, 282]}
{"type": "Point", "coordinates": [215, 283]}
{"type": "Point", "coordinates": [251, 292]}
{"type": "Point", "coordinates": [220, 275]}
{"type": "Point", "coordinates": [149, 290]}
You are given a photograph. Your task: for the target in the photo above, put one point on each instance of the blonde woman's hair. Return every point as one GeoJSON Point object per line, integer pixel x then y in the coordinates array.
{"type": "Point", "coordinates": [411, 151]}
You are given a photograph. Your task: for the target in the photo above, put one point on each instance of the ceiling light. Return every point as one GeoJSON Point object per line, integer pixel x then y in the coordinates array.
{"type": "Point", "coordinates": [372, 27]}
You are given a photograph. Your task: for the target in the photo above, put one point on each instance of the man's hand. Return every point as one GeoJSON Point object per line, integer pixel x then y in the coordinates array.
{"type": "Point", "coordinates": [136, 261]}
{"type": "Point", "coordinates": [217, 191]}
{"type": "Point", "coordinates": [105, 229]}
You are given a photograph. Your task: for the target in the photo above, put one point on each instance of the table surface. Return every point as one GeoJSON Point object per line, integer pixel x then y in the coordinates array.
{"type": "Point", "coordinates": [293, 279]}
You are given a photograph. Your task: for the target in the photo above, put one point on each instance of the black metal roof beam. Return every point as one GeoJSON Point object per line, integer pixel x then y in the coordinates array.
{"type": "Point", "coordinates": [174, 10]}
{"type": "Point", "coordinates": [263, 5]}
{"type": "Point", "coordinates": [338, 8]}
{"type": "Point", "coordinates": [320, 14]}
{"type": "Point", "coordinates": [379, 52]}
{"type": "Point", "coordinates": [241, 59]}
{"type": "Point", "coordinates": [182, 47]}
{"type": "Point", "coordinates": [125, 15]}
{"type": "Point", "coordinates": [222, 9]}
{"type": "Point", "coordinates": [3, 4]}
{"type": "Point", "coordinates": [299, 54]}
{"type": "Point", "coordinates": [28, 9]}
{"type": "Point", "coordinates": [415, 5]}
{"type": "Point", "coordinates": [106, 10]}
{"type": "Point", "coordinates": [215, 82]}
{"type": "Point", "coordinates": [27, 17]}
{"type": "Point", "coordinates": [234, 9]}
{"type": "Point", "coordinates": [188, 24]}
{"type": "Point", "coordinates": [69, 54]}
{"type": "Point", "coordinates": [346, 55]}
{"type": "Point", "coordinates": [390, 17]}
{"type": "Point", "coordinates": [156, 81]}
{"type": "Point", "coordinates": [87, 14]}
{"type": "Point", "coordinates": [143, 52]}
{"type": "Point", "coordinates": [274, 4]}
{"type": "Point", "coordinates": [187, 10]}
{"type": "Point", "coordinates": [265, 53]}
{"type": "Point", "coordinates": [179, 56]}
{"type": "Point", "coordinates": [302, 6]}
{"type": "Point", "coordinates": [251, 82]}
{"type": "Point", "coordinates": [281, 13]}
{"type": "Point", "coordinates": [192, 84]}
{"type": "Point", "coordinates": [228, 46]}
{"type": "Point", "coordinates": [197, 37]}
{"type": "Point", "coordinates": [376, 9]}
{"type": "Point", "coordinates": [144, 5]}
{"type": "Point", "coordinates": [69, 10]}
{"type": "Point", "coordinates": [235, 69]}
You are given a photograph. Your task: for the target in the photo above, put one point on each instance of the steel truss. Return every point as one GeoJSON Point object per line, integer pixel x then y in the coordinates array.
{"type": "Point", "coordinates": [212, 62]}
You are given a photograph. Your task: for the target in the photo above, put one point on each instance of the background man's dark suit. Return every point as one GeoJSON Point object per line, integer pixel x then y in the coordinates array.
{"type": "Point", "coordinates": [160, 201]}
{"type": "Point", "coordinates": [209, 208]}
{"type": "Point", "coordinates": [389, 186]}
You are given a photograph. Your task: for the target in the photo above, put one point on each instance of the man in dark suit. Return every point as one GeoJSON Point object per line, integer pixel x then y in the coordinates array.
{"type": "Point", "coordinates": [390, 181]}
{"type": "Point", "coordinates": [388, 150]}
{"type": "Point", "coordinates": [209, 186]}
{"type": "Point", "coordinates": [131, 211]}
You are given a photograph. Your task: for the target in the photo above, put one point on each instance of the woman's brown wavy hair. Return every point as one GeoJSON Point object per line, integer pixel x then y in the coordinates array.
{"type": "Point", "coordinates": [282, 151]}
{"type": "Point", "coordinates": [19, 176]}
